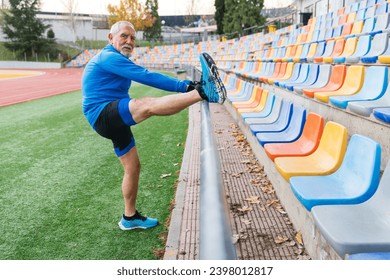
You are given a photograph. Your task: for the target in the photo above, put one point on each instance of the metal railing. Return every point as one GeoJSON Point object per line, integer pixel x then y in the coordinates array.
{"type": "Point", "coordinates": [215, 240]}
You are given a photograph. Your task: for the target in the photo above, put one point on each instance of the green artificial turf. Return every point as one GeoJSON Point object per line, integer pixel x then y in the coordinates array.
{"type": "Point", "coordinates": [60, 183]}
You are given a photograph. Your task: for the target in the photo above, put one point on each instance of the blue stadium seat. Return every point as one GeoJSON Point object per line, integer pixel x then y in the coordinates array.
{"type": "Point", "coordinates": [279, 105]}
{"type": "Point", "coordinates": [354, 182]}
{"type": "Point", "coordinates": [245, 94]}
{"type": "Point", "coordinates": [365, 108]}
{"type": "Point", "coordinates": [374, 86]}
{"type": "Point", "coordinates": [362, 48]}
{"type": "Point", "coordinates": [291, 133]}
{"type": "Point", "coordinates": [323, 79]}
{"type": "Point", "coordinates": [358, 228]}
{"type": "Point", "coordinates": [382, 114]}
{"type": "Point", "coordinates": [303, 75]}
{"type": "Point", "coordinates": [369, 256]}
{"type": "Point", "coordinates": [279, 124]}
{"type": "Point", "coordinates": [378, 47]}
{"type": "Point", "coordinates": [272, 101]}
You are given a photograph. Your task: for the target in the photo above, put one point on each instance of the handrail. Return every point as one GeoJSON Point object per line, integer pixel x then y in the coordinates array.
{"type": "Point", "coordinates": [215, 241]}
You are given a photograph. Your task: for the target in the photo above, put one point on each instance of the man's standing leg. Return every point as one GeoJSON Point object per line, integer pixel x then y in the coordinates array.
{"type": "Point", "coordinates": [131, 167]}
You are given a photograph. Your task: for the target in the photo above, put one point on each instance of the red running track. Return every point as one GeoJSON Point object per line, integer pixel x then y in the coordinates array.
{"type": "Point", "coordinates": [52, 82]}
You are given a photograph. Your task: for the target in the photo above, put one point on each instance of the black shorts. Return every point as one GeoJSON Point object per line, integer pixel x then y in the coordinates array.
{"type": "Point", "coordinates": [111, 125]}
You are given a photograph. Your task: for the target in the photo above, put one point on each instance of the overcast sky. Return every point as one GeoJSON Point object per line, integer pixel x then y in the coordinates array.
{"type": "Point", "coordinates": [166, 7]}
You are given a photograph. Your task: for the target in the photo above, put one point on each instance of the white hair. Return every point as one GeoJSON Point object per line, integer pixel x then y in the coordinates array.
{"type": "Point", "coordinates": [118, 25]}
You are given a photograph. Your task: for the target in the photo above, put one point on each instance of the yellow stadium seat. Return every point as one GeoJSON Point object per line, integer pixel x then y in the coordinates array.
{"type": "Point", "coordinates": [259, 107]}
{"type": "Point", "coordinates": [352, 84]}
{"type": "Point", "coordinates": [325, 160]}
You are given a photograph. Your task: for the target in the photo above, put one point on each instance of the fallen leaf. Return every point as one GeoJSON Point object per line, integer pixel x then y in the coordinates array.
{"type": "Point", "coordinates": [272, 202]}
{"type": "Point", "coordinates": [244, 209]}
{"type": "Point", "coordinates": [280, 239]}
{"type": "Point", "coordinates": [268, 189]}
{"type": "Point", "coordinates": [165, 175]}
{"type": "Point", "coordinates": [253, 199]}
{"type": "Point", "coordinates": [246, 222]}
{"type": "Point", "coordinates": [298, 237]}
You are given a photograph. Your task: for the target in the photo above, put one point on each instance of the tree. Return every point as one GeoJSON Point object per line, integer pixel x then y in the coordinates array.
{"type": "Point", "coordinates": [25, 32]}
{"type": "Point", "coordinates": [191, 12]}
{"type": "Point", "coordinates": [153, 32]}
{"type": "Point", "coordinates": [219, 14]}
{"type": "Point", "coordinates": [70, 7]}
{"type": "Point", "coordinates": [241, 14]}
{"type": "Point", "coordinates": [132, 11]}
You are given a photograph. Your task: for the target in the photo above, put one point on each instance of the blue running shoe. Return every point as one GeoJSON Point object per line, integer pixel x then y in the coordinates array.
{"type": "Point", "coordinates": [213, 88]}
{"type": "Point", "coordinates": [137, 221]}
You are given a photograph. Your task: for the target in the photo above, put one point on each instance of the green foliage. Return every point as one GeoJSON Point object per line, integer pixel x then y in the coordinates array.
{"type": "Point", "coordinates": [242, 14]}
{"type": "Point", "coordinates": [23, 29]}
{"type": "Point", "coordinates": [153, 33]}
{"type": "Point", "coordinates": [219, 14]}
{"type": "Point", "coordinates": [50, 34]}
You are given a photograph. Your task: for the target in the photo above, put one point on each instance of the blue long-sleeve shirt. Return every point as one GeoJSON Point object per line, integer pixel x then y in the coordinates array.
{"type": "Point", "coordinates": [108, 76]}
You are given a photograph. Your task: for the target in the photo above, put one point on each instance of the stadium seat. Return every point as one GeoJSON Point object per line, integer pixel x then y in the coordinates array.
{"type": "Point", "coordinates": [337, 51]}
{"type": "Point", "coordinates": [369, 256]}
{"type": "Point", "coordinates": [319, 50]}
{"type": "Point", "coordinates": [381, 9]}
{"type": "Point", "coordinates": [292, 53]}
{"type": "Point", "coordinates": [368, 26]}
{"type": "Point", "coordinates": [256, 106]}
{"type": "Point", "coordinates": [297, 55]}
{"type": "Point", "coordinates": [327, 52]}
{"type": "Point", "coordinates": [360, 14]}
{"type": "Point", "coordinates": [381, 23]}
{"type": "Point", "coordinates": [365, 108]}
{"type": "Point", "coordinates": [378, 47]}
{"type": "Point", "coordinates": [279, 124]}
{"type": "Point", "coordinates": [382, 114]}
{"type": "Point", "coordinates": [358, 228]}
{"type": "Point", "coordinates": [305, 50]}
{"type": "Point", "coordinates": [356, 29]}
{"type": "Point", "coordinates": [280, 67]}
{"type": "Point", "coordinates": [257, 66]}
{"type": "Point", "coordinates": [283, 107]}
{"type": "Point", "coordinates": [290, 133]}
{"type": "Point", "coordinates": [370, 11]}
{"type": "Point", "coordinates": [349, 49]}
{"type": "Point", "coordinates": [362, 48]}
{"type": "Point", "coordinates": [325, 160]}
{"type": "Point", "coordinates": [374, 86]}
{"type": "Point", "coordinates": [306, 144]}
{"type": "Point", "coordinates": [303, 74]}
{"type": "Point", "coordinates": [244, 95]}
{"type": "Point", "coordinates": [336, 80]}
{"type": "Point", "coordinates": [354, 182]}
{"type": "Point", "coordinates": [314, 77]}
{"type": "Point", "coordinates": [236, 89]}
{"type": "Point", "coordinates": [294, 76]}
{"type": "Point", "coordinates": [272, 101]}
{"type": "Point", "coordinates": [352, 84]}
{"type": "Point", "coordinates": [267, 70]}
{"type": "Point", "coordinates": [385, 57]}
{"type": "Point", "coordinates": [252, 101]}
{"type": "Point", "coordinates": [284, 74]}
